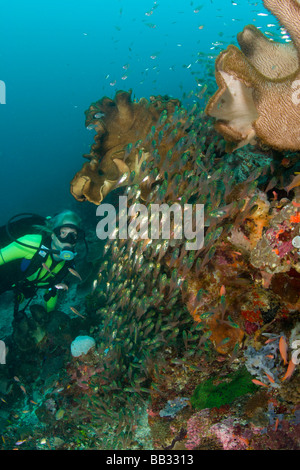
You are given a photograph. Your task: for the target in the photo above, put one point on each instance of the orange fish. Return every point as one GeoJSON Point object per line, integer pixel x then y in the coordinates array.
{"type": "Point", "coordinates": [258, 382]}
{"type": "Point", "coordinates": [23, 389]}
{"type": "Point", "coordinates": [222, 290]}
{"type": "Point", "coordinates": [283, 348]}
{"type": "Point", "coordinates": [270, 378]}
{"type": "Point", "coordinates": [270, 340]}
{"type": "Point", "coordinates": [244, 440]}
{"type": "Point", "coordinates": [295, 219]}
{"type": "Point", "coordinates": [289, 371]}
{"type": "Point", "coordinates": [295, 204]}
{"type": "Point", "coordinates": [276, 424]}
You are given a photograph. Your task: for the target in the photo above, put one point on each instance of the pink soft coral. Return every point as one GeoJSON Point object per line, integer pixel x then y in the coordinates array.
{"type": "Point", "coordinates": [197, 427]}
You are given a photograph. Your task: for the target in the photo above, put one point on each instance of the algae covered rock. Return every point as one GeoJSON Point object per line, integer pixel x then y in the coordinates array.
{"type": "Point", "coordinates": [210, 394]}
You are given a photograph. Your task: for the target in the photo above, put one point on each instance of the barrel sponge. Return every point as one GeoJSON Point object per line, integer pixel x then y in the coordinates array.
{"type": "Point", "coordinates": [82, 345]}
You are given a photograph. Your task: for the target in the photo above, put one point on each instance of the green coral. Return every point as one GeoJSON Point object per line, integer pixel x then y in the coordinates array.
{"type": "Point", "coordinates": [209, 395]}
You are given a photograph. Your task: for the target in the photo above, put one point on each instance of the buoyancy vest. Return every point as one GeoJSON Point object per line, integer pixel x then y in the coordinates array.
{"type": "Point", "coordinates": [22, 257]}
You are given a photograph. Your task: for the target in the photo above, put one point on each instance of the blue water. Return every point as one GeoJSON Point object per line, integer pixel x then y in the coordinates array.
{"type": "Point", "coordinates": [57, 57]}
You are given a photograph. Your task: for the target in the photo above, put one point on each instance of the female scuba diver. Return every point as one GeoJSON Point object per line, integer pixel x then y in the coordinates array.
{"type": "Point", "coordinates": [38, 254]}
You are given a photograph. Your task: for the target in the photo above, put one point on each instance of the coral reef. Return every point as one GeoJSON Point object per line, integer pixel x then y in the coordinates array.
{"type": "Point", "coordinates": [275, 253]}
{"type": "Point", "coordinates": [175, 330]}
{"type": "Point", "coordinates": [192, 349]}
{"type": "Point", "coordinates": [255, 100]}
{"type": "Point", "coordinates": [210, 307]}
{"type": "Point", "coordinates": [264, 363]}
{"type": "Point", "coordinates": [231, 433]}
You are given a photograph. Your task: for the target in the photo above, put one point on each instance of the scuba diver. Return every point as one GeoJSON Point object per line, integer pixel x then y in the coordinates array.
{"type": "Point", "coordinates": [37, 253]}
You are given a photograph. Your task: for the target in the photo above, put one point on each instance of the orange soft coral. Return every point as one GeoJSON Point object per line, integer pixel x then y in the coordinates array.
{"type": "Point", "coordinates": [295, 219]}
{"type": "Point", "coordinates": [224, 337]}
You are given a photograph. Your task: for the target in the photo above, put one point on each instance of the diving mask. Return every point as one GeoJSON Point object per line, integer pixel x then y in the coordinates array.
{"type": "Point", "coordinates": [64, 236]}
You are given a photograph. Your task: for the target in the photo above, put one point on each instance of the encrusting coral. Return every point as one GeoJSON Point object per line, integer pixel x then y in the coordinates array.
{"type": "Point", "coordinates": [257, 95]}
{"type": "Point", "coordinates": [276, 255]}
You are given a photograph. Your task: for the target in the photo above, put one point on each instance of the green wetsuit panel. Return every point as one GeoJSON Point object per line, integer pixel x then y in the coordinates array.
{"type": "Point", "coordinates": [41, 277]}
{"type": "Point", "coordinates": [51, 304]}
{"type": "Point", "coordinates": [16, 251]}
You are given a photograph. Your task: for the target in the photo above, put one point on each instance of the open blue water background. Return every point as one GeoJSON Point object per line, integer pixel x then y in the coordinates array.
{"type": "Point", "coordinates": [58, 56]}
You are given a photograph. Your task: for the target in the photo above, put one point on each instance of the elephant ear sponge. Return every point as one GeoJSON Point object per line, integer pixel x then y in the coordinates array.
{"type": "Point", "coordinates": [125, 129]}
{"type": "Point", "coordinates": [259, 84]}
{"type": "Point", "coordinates": [209, 395]}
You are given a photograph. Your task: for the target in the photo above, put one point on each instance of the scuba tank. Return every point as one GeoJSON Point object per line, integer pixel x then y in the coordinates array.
{"type": "Point", "coordinates": [11, 231]}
